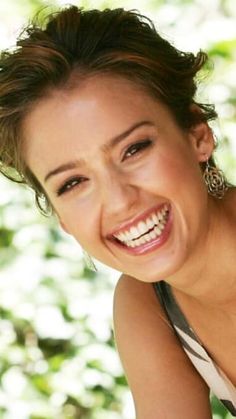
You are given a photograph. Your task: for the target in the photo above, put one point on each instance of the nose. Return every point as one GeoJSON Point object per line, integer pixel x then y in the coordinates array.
{"type": "Point", "coordinates": [119, 196]}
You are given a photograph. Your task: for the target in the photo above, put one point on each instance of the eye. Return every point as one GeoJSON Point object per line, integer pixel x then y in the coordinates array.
{"type": "Point", "coordinates": [136, 148]}
{"type": "Point", "coordinates": [70, 184]}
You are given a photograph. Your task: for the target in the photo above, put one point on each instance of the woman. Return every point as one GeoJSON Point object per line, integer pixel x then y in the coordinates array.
{"type": "Point", "coordinates": [98, 115]}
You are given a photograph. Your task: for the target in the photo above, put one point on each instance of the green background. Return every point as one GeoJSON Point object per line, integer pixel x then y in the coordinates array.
{"type": "Point", "coordinates": [57, 355]}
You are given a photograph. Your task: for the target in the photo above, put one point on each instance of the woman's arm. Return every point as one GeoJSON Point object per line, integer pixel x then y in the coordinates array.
{"type": "Point", "coordinates": [164, 383]}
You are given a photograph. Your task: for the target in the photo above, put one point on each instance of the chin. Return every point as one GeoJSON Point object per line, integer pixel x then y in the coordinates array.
{"type": "Point", "coordinates": [160, 269]}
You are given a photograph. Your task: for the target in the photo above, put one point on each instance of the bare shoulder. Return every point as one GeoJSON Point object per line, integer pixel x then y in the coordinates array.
{"type": "Point", "coordinates": [163, 381]}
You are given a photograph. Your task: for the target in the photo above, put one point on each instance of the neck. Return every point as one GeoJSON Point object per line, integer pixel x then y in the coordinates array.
{"type": "Point", "coordinates": [209, 275]}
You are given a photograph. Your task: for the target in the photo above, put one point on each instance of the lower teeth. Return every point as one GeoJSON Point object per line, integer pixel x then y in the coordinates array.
{"type": "Point", "coordinates": [153, 234]}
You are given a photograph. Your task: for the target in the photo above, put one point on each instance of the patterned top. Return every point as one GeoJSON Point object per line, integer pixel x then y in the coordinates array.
{"type": "Point", "coordinates": [215, 378]}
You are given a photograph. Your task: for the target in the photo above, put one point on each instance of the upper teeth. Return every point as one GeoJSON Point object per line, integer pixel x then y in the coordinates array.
{"type": "Point", "coordinates": [157, 219]}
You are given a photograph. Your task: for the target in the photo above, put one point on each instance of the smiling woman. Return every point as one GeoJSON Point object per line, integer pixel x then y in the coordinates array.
{"type": "Point", "coordinates": [98, 115]}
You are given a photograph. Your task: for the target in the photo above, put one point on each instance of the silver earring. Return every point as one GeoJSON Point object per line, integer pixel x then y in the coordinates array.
{"type": "Point", "coordinates": [215, 181]}
{"type": "Point", "coordinates": [89, 262]}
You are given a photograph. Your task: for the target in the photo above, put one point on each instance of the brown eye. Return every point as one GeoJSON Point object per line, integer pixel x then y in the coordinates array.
{"type": "Point", "coordinates": [136, 148]}
{"type": "Point", "coordinates": [70, 184]}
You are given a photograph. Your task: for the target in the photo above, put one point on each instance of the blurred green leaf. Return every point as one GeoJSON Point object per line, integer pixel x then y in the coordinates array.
{"type": "Point", "coordinates": [224, 49]}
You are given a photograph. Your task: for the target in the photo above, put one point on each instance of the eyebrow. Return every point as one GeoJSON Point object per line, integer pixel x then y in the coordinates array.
{"type": "Point", "coordinates": [113, 142]}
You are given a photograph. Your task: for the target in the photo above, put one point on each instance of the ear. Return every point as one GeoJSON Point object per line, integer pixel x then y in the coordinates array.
{"type": "Point", "coordinates": [202, 141]}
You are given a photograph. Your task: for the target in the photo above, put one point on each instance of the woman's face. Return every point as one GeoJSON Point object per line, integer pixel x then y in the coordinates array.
{"type": "Point", "coordinates": [123, 178]}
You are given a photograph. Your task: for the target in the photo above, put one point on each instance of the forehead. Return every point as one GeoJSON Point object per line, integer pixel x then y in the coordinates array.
{"type": "Point", "coordinates": [84, 117]}
{"type": "Point", "coordinates": [96, 96]}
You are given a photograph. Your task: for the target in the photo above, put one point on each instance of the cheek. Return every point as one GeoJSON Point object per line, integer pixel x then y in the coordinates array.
{"type": "Point", "coordinates": [167, 171]}
{"type": "Point", "coordinates": [79, 221]}
{"type": "Point", "coordinates": [177, 177]}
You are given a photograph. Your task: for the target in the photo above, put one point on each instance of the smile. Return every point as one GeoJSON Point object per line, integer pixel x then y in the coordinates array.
{"type": "Point", "coordinates": [148, 232]}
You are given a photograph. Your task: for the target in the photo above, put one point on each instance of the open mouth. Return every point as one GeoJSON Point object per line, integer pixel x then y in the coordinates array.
{"type": "Point", "coordinates": [149, 230]}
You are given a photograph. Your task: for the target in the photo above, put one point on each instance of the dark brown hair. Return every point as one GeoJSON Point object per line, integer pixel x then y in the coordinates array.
{"type": "Point", "coordinates": [76, 43]}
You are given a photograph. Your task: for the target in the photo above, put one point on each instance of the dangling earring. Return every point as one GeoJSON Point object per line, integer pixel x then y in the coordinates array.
{"type": "Point", "coordinates": [89, 261]}
{"type": "Point", "coordinates": [215, 181]}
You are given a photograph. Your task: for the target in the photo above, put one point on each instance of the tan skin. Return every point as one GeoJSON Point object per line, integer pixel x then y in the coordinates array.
{"type": "Point", "coordinates": [114, 183]}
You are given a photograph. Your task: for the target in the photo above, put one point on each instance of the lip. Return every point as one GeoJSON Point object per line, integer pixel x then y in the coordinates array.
{"type": "Point", "coordinates": [149, 246]}
{"type": "Point", "coordinates": [128, 224]}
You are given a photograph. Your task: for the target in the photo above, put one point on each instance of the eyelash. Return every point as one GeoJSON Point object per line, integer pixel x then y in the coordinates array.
{"type": "Point", "coordinates": [68, 185]}
{"type": "Point", "coordinates": [133, 150]}
{"type": "Point", "coordinates": [136, 148]}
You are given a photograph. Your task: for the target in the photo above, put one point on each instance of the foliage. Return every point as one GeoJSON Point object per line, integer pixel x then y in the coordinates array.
{"type": "Point", "coordinates": [57, 348]}
{"type": "Point", "coordinates": [57, 355]}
